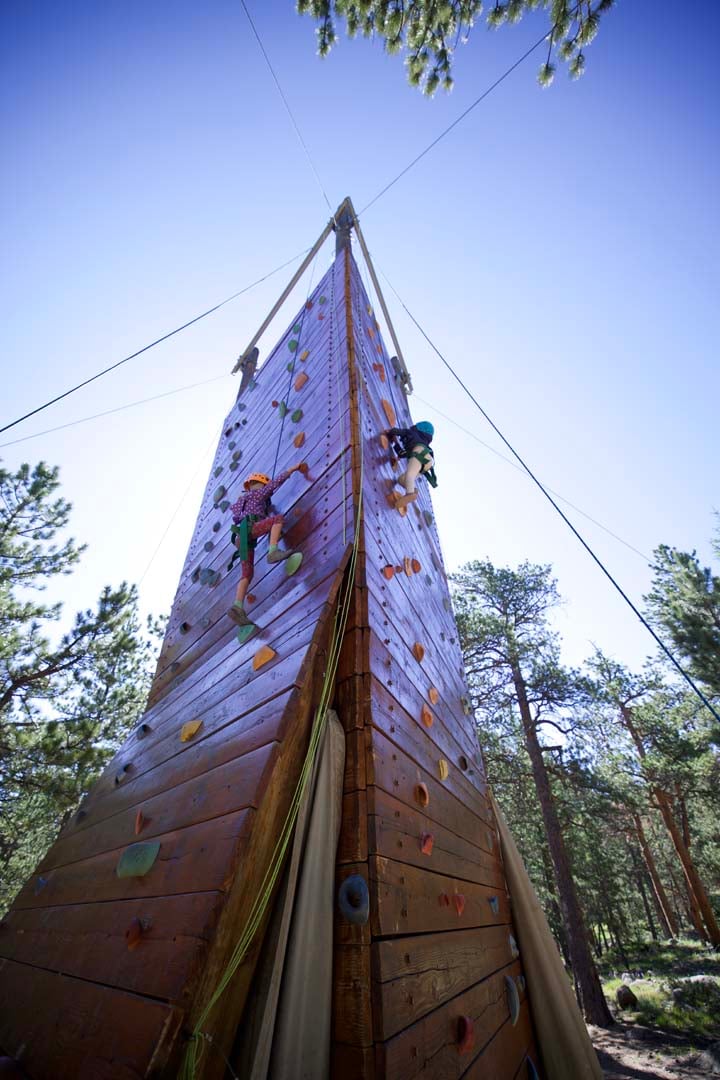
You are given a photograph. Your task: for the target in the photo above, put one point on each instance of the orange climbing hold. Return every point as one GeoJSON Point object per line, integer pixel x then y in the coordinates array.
{"type": "Point", "coordinates": [426, 716]}
{"type": "Point", "coordinates": [389, 412]}
{"type": "Point", "coordinates": [422, 795]}
{"type": "Point", "coordinates": [250, 598]}
{"type": "Point", "coordinates": [370, 331]}
{"type": "Point", "coordinates": [416, 566]}
{"type": "Point", "coordinates": [459, 902]}
{"type": "Point", "coordinates": [384, 441]}
{"type": "Point", "coordinates": [134, 933]}
{"type": "Point", "coordinates": [302, 378]}
{"type": "Point", "coordinates": [299, 439]}
{"type": "Point", "coordinates": [418, 651]}
{"type": "Point", "coordinates": [426, 843]}
{"type": "Point", "coordinates": [388, 572]}
{"type": "Point", "coordinates": [434, 695]}
{"type": "Point", "coordinates": [189, 730]}
{"type": "Point", "coordinates": [263, 656]}
{"type": "Point", "coordinates": [140, 822]}
{"type": "Point", "coordinates": [379, 369]}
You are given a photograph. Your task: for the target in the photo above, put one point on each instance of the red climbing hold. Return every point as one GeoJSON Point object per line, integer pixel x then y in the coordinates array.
{"type": "Point", "coordinates": [302, 378]}
{"type": "Point", "coordinates": [422, 795]}
{"type": "Point", "coordinates": [416, 566]}
{"type": "Point", "coordinates": [465, 1034]}
{"type": "Point", "coordinates": [388, 572]}
{"type": "Point", "coordinates": [459, 902]}
{"type": "Point", "coordinates": [444, 899]}
{"type": "Point", "coordinates": [426, 716]}
{"type": "Point", "coordinates": [134, 933]}
{"type": "Point", "coordinates": [140, 822]}
{"type": "Point", "coordinates": [426, 843]}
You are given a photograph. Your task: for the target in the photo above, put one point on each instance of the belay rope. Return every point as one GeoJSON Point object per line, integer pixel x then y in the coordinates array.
{"type": "Point", "coordinates": [199, 1038]}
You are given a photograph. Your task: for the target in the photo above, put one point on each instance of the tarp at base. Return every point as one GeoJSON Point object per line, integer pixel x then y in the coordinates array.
{"type": "Point", "coordinates": [285, 1032]}
{"type": "Point", "coordinates": [565, 1046]}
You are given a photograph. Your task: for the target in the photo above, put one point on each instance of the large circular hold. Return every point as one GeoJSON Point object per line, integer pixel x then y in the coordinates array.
{"type": "Point", "coordinates": [354, 899]}
{"type": "Point", "coordinates": [513, 1000]}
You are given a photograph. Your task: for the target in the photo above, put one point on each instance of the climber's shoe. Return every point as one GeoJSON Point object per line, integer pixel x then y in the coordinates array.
{"type": "Point", "coordinates": [275, 554]}
{"type": "Point", "coordinates": [238, 615]}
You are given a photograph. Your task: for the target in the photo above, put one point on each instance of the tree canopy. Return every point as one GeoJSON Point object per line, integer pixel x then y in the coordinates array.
{"type": "Point", "coordinates": [427, 32]}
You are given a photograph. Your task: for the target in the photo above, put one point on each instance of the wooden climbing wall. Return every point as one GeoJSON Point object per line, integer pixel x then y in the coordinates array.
{"type": "Point", "coordinates": [101, 976]}
{"type": "Point", "coordinates": [432, 985]}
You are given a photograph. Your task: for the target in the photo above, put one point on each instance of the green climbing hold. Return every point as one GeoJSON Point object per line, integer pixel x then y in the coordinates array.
{"type": "Point", "coordinates": [241, 406]}
{"type": "Point", "coordinates": [233, 466]}
{"type": "Point", "coordinates": [224, 505]}
{"type": "Point", "coordinates": [237, 455]}
{"type": "Point", "coordinates": [244, 633]}
{"type": "Point", "coordinates": [292, 344]}
{"type": "Point", "coordinates": [297, 328]}
{"type": "Point", "coordinates": [428, 517]}
{"type": "Point", "coordinates": [205, 576]}
{"type": "Point", "coordinates": [137, 859]}
{"type": "Point", "coordinates": [208, 545]}
{"type": "Point", "coordinates": [217, 526]}
{"type": "Point", "coordinates": [218, 470]}
{"type": "Point", "coordinates": [219, 492]}
{"type": "Point", "coordinates": [322, 300]}
{"type": "Point", "coordinates": [291, 366]}
{"type": "Point", "coordinates": [292, 564]}
{"type": "Point", "coordinates": [297, 416]}
{"type": "Point", "coordinates": [282, 409]}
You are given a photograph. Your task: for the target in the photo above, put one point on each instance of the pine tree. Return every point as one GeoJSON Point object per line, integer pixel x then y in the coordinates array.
{"type": "Point", "coordinates": [64, 705]}
{"type": "Point", "coordinates": [429, 31]}
{"type": "Point", "coordinates": [512, 663]}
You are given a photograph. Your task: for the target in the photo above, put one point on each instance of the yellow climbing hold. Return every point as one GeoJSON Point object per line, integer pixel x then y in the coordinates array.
{"type": "Point", "coordinates": [304, 354]}
{"type": "Point", "coordinates": [443, 771]}
{"type": "Point", "coordinates": [189, 730]}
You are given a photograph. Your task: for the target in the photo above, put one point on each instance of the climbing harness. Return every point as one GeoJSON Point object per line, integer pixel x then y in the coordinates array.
{"type": "Point", "coordinates": [424, 455]}
{"type": "Point", "coordinates": [242, 538]}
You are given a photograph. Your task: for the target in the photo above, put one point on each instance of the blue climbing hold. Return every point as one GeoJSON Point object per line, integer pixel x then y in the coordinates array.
{"type": "Point", "coordinates": [354, 899]}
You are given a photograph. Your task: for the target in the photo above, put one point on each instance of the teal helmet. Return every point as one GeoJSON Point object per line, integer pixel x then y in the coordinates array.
{"type": "Point", "coordinates": [426, 428]}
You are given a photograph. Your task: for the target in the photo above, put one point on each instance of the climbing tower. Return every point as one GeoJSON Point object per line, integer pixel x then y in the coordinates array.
{"type": "Point", "coordinates": [113, 953]}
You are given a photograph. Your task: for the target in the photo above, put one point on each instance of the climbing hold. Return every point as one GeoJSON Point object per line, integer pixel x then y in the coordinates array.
{"type": "Point", "coordinates": [297, 416]}
{"type": "Point", "coordinates": [379, 348]}
{"type": "Point", "coordinates": [218, 470]}
{"type": "Point", "coordinates": [233, 466]}
{"type": "Point", "coordinates": [185, 626]}
{"type": "Point", "coordinates": [446, 603]}
{"type": "Point", "coordinates": [466, 706]}
{"type": "Point", "coordinates": [282, 409]}
{"type": "Point", "coordinates": [434, 695]}
{"type": "Point", "coordinates": [224, 505]}
{"type": "Point", "coordinates": [422, 795]}
{"type": "Point", "coordinates": [514, 951]}
{"type": "Point", "coordinates": [459, 902]}
{"type": "Point", "coordinates": [208, 545]}
{"type": "Point", "coordinates": [308, 304]}
{"type": "Point", "coordinates": [140, 822]}
{"type": "Point", "coordinates": [380, 370]}
{"type": "Point", "coordinates": [122, 773]}
{"type": "Point", "coordinates": [320, 318]}
{"type": "Point", "coordinates": [297, 328]}
{"type": "Point", "coordinates": [416, 567]}
{"type": "Point", "coordinates": [250, 598]}
{"type": "Point", "coordinates": [40, 885]}
{"type": "Point", "coordinates": [263, 656]}
{"type": "Point", "coordinates": [426, 716]}
{"type": "Point", "coordinates": [426, 843]}
{"type": "Point", "coordinates": [244, 633]}
{"type": "Point", "coordinates": [354, 899]}
{"type": "Point", "coordinates": [299, 439]}
{"type": "Point", "coordinates": [384, 441]}
{"type": "Point", "coordinates": [444, 899]}
{"type": "Point", "coordinates": [463, 762]}
{"type": "Point", "coordinates": [443, 771]}
{"type": "Point", "coordinates": [304, 354]}
{"type": "Point", "coordinates": [465, 1034]}
{"type": "Point", "coordinates": [241, 404]}
{"type": "Point", "coordinates": [195, 576]}
{"type": "Point", "coordinates": [274, 404]}
{"type": "Point", "coordinates": [219, 493]}
{"type": "Point", "coordinates": [80, 814]}
{"type": "Point", "coordinates": [322, 300]}
{"type": "Point", "coordinates": [513, 1000]}
{"type": "Point", "coordinates": [134, 933]}
{"type": "Point", "coordinates": [292, 564]}
{"type": "Point", "coordinates": [205, 576]}
{"type": "Point", "coordinates": [290, 366]}
{"type": "Point", "coordinates": [407, 565]}
{"type": "Point", "coordinates": [292, 344]}
{"type": "Point", "coordinates": [137, 859]}
{"type": "Point", "coordinates": [237, 455]}
{"type": "Point", "coordinates": [302, 378]}
{"type": "Point", "coordinates": [233, 444]}
{"type": "Point", "coordinates": [218, 525]}
{"type": "Point", "coordinates": [418, 651]}
{"type": "Point", "coordinates": [428, 517]}
{"type": "Point", "coordinates": [388, 571]}
{"type": "Point", "coordinates": [520, 980]}
{"type": "Point", "coordinates": [389, 412]}
{"type": "Point", "coordinates": [189, 730]}
{"type": "Point", "coordinates": [215, 576]}
{"type": "Point", "coordinates": [142, 730]}
{"type": "Point", "coordinates": [398, 569]}
{"type": "Point", "coordinates": [371, 332]}
{"type": "Point", "coordinates": [494, 904]}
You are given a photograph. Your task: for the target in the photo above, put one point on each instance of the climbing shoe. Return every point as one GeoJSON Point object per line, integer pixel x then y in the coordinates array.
{"type": "Point", "coordinates": [238, 615]}
{"type": "Point", "coordinates": [276, 555]}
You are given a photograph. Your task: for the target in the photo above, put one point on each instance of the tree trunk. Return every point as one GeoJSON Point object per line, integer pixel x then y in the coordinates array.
{"type": "Point", "coordinates": [665, 911]}
{"type": "Point", "coordinates": [587, 982]}
{"type": "Point", "coordinates": [696, 889]}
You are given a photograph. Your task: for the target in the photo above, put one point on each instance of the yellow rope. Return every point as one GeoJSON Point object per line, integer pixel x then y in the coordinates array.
{"type": "Point", "coordinates": [195, 1047]}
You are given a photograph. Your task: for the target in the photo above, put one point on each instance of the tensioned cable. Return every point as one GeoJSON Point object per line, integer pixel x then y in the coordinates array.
{"type": "Point", "coordinates": [109, 412]}
{"type": "Point", "coordinates": [567, 521]}
{"type": "Point", "coordinates": [152, 344]}
{"type": "Point", "coordinates": [514, 465]}
{"type": "Point", "coordinates": [485, 93]}
{"type": "Point", "coordinates": [287, 107]}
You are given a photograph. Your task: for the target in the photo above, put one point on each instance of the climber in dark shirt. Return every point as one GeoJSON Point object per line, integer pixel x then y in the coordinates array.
{"type": "Point", "coordinates": [413, 444]}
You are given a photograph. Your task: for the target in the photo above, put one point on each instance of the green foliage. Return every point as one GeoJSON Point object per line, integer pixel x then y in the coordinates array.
{"type": "Point", "coordinates": [429, 31]}
{"type": "Point", "coordinates": [65, 704]}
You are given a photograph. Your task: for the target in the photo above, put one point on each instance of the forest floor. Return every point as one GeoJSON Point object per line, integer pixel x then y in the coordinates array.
{"type": "Point", "coordinates": [673, 1032]}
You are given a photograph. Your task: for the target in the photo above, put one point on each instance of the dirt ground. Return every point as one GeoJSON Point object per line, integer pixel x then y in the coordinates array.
{"type": "Point", "coordinates": [633, 1052]}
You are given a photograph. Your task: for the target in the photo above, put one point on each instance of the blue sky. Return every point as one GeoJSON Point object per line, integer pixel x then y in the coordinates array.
{"type": "Point", "coordinates": [560, 248]}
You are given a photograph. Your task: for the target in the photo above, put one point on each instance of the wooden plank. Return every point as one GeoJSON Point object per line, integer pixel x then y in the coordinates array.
{"type": "Point", "coordinates": [407, 900]}
{"type": "Point", "coordinates": [393, 771]}
{"type": "Point", "coordinates": [504, 1055]}
{"type": "Point", "coordinates": [352, 1005]}
{"type": "Point", "coordinates": [397, 831]}
{"type": "Point", "coordinates": [414, 975]}
{"type": "Point", "coordinates": [60, 1028]}
{"type": "Point", "coordinates": [430, 1047]}
{"type": "Point", "coordinates": [352, 1062]}
{"type": "Point", "coordinates": [353, 842]}
{"type": "Point", "coordinates": [88, 941]}
{"type": "Point", "coordinates": [199, 859]}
